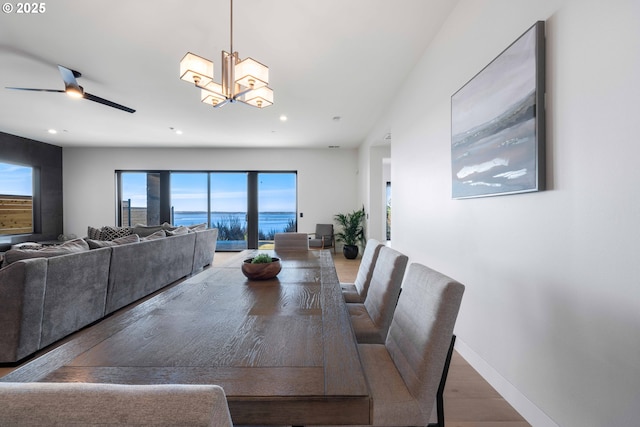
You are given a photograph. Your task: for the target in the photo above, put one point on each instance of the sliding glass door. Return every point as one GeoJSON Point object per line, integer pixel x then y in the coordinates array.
{"type": "Point", "coordinates": [277, 205]}
{"type": "Point", "coordinates": [189, 201]}
{"type": "Point", "coordinates": [248, 208]}
{"type": "Point", "coordinates": [228, 195]}
{"type": "Point", "coordinates": [139, 198]}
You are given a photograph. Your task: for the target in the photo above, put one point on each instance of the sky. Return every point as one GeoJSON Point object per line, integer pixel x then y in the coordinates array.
{"type": "Point", "coordinates": [277, 191]}
{"type": "Point", "coordinates": [16, 180]}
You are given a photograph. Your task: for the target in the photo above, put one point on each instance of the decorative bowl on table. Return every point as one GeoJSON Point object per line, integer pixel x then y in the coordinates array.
{"type": "Point", "coordinates": [258, 268]}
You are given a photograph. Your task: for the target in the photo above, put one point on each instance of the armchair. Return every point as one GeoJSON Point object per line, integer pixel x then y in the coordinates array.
{"type": "Point", "coordinates": [323, 237]}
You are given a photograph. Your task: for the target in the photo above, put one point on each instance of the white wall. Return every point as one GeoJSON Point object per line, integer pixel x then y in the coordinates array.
{"type": "Point", "coordinates": [551, 313]}
{"type": "Point", "coordinates": [89, 179]}
{"type": "Point", "coordinates": [377, 185]}
{"type": "Point", "coordinates": [371, 156]}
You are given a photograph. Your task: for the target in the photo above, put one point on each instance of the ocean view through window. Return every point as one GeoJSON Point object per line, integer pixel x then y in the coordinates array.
{"type": "Point", "coordinates": [269, 223]}
{"type": "Point", "coordinates": [222, 200]}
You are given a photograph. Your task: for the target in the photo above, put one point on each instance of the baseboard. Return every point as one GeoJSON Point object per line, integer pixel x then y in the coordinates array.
{"type": "Point", "coordinates": [529, 411]}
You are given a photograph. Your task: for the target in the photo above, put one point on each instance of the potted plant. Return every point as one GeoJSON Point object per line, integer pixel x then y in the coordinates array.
{"type": "Point", "coordinates": [352, 232]}
{"type": "Point", "coordinates": [261, 267]}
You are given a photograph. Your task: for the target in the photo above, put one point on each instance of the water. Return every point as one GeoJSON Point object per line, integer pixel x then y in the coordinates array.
{"type": "Point", "coordinates": [267, 221]}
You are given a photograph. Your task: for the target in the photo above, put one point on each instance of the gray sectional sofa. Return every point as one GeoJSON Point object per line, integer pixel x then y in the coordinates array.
{"type": "Point", "coordinates": [45, 299]}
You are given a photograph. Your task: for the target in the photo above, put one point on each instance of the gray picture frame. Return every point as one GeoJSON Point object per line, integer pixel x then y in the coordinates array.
{"type": "Point", "coordinates": [498, 123]}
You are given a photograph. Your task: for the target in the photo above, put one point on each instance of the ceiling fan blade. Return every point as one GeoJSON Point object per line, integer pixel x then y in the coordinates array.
{"type": "Point", "coordinates": [72, 87]}
{"type": "Point", "coordinates": [68, 75]}
{"type": "Point", "coordinates": [70, 83]}
{"type": "Point", "coordinates": [108, 103]}
{"type": "Point", "coordinates": [35, 90]}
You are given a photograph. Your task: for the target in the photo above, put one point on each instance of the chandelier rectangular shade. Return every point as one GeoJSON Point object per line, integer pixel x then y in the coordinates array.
{"type": "Point", "coordinates": [212, 94]}
{"type": "Point", "coordinates": [262, 97]}
{"type": "Point", "coordinates": [249, 73]}
{"type": "Point", "coordinates": [246, 81]}
{"type": "Point", "coordinates": [196, 69]}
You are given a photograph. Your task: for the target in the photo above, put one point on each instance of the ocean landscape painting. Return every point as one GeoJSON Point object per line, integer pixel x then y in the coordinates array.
{"type": "Point", "coordinates": [497, 123]}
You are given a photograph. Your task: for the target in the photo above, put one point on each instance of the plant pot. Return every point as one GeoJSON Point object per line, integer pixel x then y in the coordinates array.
{"type": "Point", "coordinates": [262, 271]}
{"type": "Point", "coordinates": [350, 251]}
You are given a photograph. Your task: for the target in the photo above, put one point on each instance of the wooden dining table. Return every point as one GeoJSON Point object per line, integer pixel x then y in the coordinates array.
{"type": "Point", "coordinates": [282, 349]}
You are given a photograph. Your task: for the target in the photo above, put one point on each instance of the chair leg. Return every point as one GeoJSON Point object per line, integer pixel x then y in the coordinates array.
{"type": "Point", "coordinates": [443, 381]}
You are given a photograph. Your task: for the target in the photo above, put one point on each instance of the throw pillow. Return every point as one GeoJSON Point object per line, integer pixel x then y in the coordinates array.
{"type": "Point", "coordinates": [110, 233]}
{"type": "Point", "coordinates": [97, 244]}
{"type": "Point", "coordinates": [177, 231]}
{"type": "Point", "coordinates": [70, 246]}
{"type": "Point", "coordinates": [198, 227]}
{"type": "Point", "coordinates": [93, 233]}
{"type": "Point", "coordinates": [145, 230]}
{"type": "Point", "coordinates": [27, 245]}
{"type": "Point", "coordinates": [157, 235]}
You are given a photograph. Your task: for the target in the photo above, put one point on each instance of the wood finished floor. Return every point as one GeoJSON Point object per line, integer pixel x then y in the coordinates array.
{"type": "Point", "coordinates": [469, 400]}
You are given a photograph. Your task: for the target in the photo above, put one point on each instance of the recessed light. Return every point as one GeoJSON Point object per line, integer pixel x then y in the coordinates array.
{"type": "Point", "coordinates": [52, 131]}
{"type": "Point", "coordinates": [176, 131]}
{"type": "Point", "coordinates": [283, 118]}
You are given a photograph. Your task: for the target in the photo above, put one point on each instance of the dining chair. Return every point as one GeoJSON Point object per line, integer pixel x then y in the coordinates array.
{"type": "Point", "coordinates": [89, 404]}
{"type": "Point", "coordinates": [406, 372]}
{"type": "Point", "coordinates": [291, 242]}
{"type": "Point", "coordinates": [371, 319]}
{"type": "Point", "coordinates": [357, 292]}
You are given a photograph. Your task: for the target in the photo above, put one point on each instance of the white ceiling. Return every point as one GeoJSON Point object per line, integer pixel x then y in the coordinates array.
{"type": "Point", "coordinates": [326, 58]}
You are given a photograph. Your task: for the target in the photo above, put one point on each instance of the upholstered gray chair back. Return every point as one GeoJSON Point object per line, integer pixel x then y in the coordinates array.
{"type": "Point", "coordinates": [367, 263]}
{"type": "Point", "coordinates": [63, 404]}
{"type": "Point", "coordinates": [384, 288]}
{"type": "Point", "coordinates": [291, 242]}
{"type": "Point", "coordinates": [326, 231]}
{"type": "Point", "coordinates": [421, 330]}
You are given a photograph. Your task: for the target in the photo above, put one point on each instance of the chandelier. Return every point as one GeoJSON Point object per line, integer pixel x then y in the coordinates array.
{"type": "Point", "coordinates": [242, 80]}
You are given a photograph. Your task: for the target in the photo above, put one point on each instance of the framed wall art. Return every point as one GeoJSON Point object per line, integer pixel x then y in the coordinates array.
{"type": "Point", "coordinates": [498, 123]}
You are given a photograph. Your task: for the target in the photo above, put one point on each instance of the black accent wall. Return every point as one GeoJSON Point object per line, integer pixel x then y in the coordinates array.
{"type": "Point", "coordinates": [46, 159]}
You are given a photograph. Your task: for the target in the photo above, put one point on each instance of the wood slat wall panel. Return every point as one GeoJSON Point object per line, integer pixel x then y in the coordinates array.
{"type": "Point", "coordinates": [16, 214]}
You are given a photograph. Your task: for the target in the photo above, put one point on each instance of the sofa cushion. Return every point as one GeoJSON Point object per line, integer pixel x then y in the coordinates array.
{"type": "Point", "coordinates": [71, 246]}
{"type": "Point", "coordinates": [75, 293]}
{"type": "Point", "coordinates": [23, 287]}
{"type": "Point", "coordinates": [96, 244]}
{"type": "Point", "coordinates": [139, 270]}
{"type": "Point", "coordinates": [204, 249]}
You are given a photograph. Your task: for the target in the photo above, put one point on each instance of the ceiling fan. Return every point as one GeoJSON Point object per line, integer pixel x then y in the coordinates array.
{"type": "Point", "coordinates": [72, 88]}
